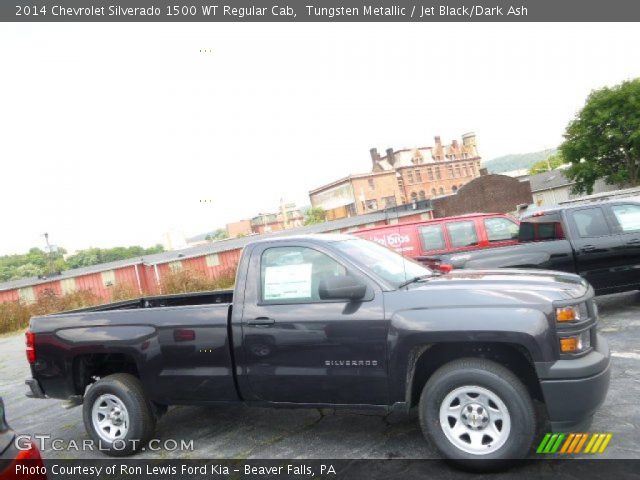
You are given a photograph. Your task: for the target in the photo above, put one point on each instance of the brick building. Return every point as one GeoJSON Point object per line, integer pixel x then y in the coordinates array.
{"type": "Point", "coordinates": [288, 216]}
{"type": "Point", "coordinates": [357, 194]}
{"type": "Point", "coordinates": [401, 177]}
{"type": "Point", "coordinates": [486, 194]}
{"type": "Point", "coordinates": [241, 228]}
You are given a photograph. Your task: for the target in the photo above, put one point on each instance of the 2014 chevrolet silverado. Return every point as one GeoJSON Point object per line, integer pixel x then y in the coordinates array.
{"type": "Point", "coordinates": [600, 241]}
{"type": "Point", "coordinates": [336, 321]}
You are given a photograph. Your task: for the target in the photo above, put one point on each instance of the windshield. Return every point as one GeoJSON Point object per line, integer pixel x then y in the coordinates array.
{"type": "Point", "coordinates": [387, 264]}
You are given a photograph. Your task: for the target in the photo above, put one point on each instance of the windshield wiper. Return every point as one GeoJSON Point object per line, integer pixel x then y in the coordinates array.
{"type": "Point", "coordinates": [419, 278]}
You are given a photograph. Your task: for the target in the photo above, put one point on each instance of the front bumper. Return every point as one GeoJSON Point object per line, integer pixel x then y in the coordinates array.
{"type": "Point", "coordinates": [574, 389]}
{"type": "Point", "coordinates": [35, 390]}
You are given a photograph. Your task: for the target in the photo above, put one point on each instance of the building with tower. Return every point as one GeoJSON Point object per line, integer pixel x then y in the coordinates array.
{"type": "Point", "coordinates": [401, 177]}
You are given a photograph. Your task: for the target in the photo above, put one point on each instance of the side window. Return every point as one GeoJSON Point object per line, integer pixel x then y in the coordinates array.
{"type": "Point", "coordinates": [463, 234]}
{"type": "Point", "coordinates": [293, 274]}
{"type": "Point", "coordinates": [431, 237]}
{"type": "Point", "coordinates": [590, 222]}
{"type": "Point", "coordinates": [549, 231]}
{"type": "Point", "coordinates": [628, 217]}
{"type": "Point", "coordinates": [500, 229]}
{"type": "Point", "coordinates": [541, 228]}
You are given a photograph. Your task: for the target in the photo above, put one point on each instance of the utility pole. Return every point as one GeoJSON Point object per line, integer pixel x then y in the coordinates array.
{"type": "Point", "coordinates": [50, 252]}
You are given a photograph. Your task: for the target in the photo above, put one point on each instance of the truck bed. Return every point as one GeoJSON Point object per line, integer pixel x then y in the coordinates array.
{"type": "Point", "coordinates": [176, 300]}
{"type": "Point", "coordinates": [178, 345]}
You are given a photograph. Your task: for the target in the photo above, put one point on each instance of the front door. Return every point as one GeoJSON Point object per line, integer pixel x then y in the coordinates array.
{"type": "Point", "coordinates": [595, 243]}
{"type": "Point", "coordinates": [299, 348]}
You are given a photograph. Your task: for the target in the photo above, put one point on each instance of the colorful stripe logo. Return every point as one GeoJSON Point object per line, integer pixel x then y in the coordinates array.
{"type": "Point", "coordinates": [572, 443]}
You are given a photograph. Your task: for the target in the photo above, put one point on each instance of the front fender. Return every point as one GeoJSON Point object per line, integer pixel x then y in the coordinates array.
{"type": "Point", "coordinates": [412, 331]}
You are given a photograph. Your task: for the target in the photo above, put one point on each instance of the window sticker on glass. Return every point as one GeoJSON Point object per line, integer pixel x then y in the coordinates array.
{"type": "Point", "coordinates": [287, 282]}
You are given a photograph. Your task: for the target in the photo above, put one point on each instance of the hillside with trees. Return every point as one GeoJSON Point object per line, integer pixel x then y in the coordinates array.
{"type": "Point", "coordinates": [517, 161]}
{"type": "Point", "coordinates": [550, 163]}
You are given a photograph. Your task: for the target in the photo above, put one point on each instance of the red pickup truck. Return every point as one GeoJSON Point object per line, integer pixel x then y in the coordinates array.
{"type": "Point", "coordinates": [422, 239]}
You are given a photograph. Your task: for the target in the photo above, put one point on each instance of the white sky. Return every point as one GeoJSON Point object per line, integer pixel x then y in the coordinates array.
{"type": "Point", "coordinates": [110, 134]}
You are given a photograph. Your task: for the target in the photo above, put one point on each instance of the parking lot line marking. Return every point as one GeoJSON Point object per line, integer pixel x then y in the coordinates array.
{"type": "Point", "coordinates": [632, 355]}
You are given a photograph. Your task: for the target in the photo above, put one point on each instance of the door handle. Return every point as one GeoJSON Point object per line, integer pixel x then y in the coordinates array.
{"type": "Point", "coordinates": [588, 248]}
{"type": "Point", "coordinates": [261, 322]}
{"type": "Point", "coordinates": [635, 241]}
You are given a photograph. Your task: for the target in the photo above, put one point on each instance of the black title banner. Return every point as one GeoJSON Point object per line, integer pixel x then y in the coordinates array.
{"type": "Point", "coordinates": [128, 469]}
{"type": "Point", "coordinates": [319, 11]}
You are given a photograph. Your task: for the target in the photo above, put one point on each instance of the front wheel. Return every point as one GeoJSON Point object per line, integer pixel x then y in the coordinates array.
{"type": "Point", "coordinates": [117, 415]}
{"type": "Point", "coordinates": [476, 409]}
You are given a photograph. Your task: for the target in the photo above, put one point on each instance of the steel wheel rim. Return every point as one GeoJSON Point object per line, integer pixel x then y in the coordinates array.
{"type": "Point", "coordinates": [475, 420]}
{"type": "Point", "coordinates": [110, 418]}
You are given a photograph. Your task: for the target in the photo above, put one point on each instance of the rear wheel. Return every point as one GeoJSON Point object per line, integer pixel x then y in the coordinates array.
{"type": "Point", "coordinates": [476, 409]}
{"type": "Point", "coordinates": [118, 415]}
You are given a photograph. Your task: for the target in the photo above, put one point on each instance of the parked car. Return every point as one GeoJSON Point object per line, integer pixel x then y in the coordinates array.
{"type": "Point", "coordinates": [353, 324]}
{"type": "Point", "coordinates": [426, 239]}
{"type": "Point", "coordinates": [11, 456]}
{"type": "Point", "coordinates": [599, 241]}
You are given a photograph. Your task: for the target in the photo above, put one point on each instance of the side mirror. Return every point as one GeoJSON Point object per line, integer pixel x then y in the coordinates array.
{"type": "Point", "coordinates": [343, 287]}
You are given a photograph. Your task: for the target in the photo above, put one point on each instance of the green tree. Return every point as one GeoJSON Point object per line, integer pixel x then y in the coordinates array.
{"type": "Point", "coordinates": [554, 161]}
{"type": "Point", "coordinates": [94, 256]}
{"type": "Point", "coordinates": [35, 262]}
{"type": "Point", "coordinates": [315, 215]}
{"type": "Point", "coordinates": [603, 140]}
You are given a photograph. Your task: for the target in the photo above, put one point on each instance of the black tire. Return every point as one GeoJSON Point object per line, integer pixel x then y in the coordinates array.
{"type": "Point", "coordinates": [498, 380]}
{"type": "Point", "coordinates": [128, 390]}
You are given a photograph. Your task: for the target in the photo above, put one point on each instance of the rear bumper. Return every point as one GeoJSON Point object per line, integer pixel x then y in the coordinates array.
{"type": "Point", "coordinates": [35, 390]}
{"type": "Point", "coordinates": [572, 400]}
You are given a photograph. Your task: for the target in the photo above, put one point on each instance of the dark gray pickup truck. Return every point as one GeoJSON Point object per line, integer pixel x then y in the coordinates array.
{"type": "Point", "coordinates": [336, 321]}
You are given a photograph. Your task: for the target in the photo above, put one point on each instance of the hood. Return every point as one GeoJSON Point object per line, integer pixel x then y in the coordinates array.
{"type": "Point", "coordinates": [547, 284]}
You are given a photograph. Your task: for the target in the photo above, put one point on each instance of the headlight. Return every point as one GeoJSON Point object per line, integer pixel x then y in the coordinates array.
{"type": "Point", "coordinates": [576, 343]}
{"type": "Point", "coordinates": [568, 314]}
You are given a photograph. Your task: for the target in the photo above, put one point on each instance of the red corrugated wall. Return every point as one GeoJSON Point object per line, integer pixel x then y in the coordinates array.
{"type": "Point", "coordinates": [39, 290]}
{"type": "Point", "coordinates": [127, 276]}
{"type": "Point", "coordinates": [123, 276]}
{"type": "Point", "coordinates": [227, 260]}
{"type": "Point", "coordinates": [9, 296]}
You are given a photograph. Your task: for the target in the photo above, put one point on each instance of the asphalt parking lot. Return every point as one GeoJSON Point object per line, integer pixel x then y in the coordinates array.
{"type": "Point", "coordinates": [246, 433]}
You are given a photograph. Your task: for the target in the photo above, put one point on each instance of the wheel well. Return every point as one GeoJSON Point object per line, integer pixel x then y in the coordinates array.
{"type": "Point", "coordinates": [512, 356]}
{"type": "Point", "coordinates": [88, 368]}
